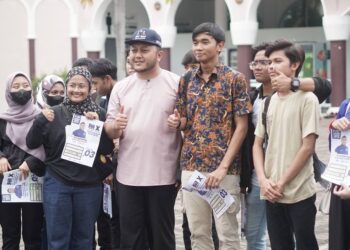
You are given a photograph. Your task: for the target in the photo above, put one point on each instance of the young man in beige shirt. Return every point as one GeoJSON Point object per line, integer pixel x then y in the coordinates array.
{"type": "Point", "coordinates": [286, 174]}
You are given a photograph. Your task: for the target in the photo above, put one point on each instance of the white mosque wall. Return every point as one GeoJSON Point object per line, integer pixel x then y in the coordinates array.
{"type": "Point", "coordinates": [13, 43]}
{"type": "Point", "coordinates": [53, 43]}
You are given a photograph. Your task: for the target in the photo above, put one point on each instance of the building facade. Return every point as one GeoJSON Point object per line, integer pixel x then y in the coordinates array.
{"type": "Point", "coordinates": [46, 36]}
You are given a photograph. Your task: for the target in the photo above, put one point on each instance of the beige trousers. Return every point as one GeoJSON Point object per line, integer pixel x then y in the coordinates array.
{"type": "Point", "coordinates": [199, 215]}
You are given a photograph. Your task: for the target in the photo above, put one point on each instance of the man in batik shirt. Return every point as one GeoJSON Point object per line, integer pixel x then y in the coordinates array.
{"type": "Point", "coordinates": [211, 110]}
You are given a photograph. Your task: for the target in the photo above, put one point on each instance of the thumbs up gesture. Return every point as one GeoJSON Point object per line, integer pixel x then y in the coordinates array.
{"type": "Point", "coordinates": [49, 114]}
{"type": "Point", "coordinates": [279, 81]}
{"type": "Point", "coordinates": [121, 119]}
{"type": "Point", "coordinates": [174, 120]}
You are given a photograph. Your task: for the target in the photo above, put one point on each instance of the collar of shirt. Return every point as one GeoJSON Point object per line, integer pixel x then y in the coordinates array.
{"type": "Point", "coordinates": [261, 92]}
{"type": "Point", "coordinates": [217, 70]}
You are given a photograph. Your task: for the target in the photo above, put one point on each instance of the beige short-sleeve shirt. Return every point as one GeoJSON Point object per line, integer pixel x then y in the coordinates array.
{"type": "Point", "coordinates": [290, 119]}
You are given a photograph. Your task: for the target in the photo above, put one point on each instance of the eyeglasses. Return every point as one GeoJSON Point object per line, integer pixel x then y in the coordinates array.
{"type": "Point", "coordinates": [262, 63]}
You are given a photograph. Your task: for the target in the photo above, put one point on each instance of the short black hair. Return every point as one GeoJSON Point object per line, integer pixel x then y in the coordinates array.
{"type": "Point", "coordinates": [102, 67]}
{"type": "Point", "coordinates": [212, 29]}
{"type": "Point", "coordinates": [261, 46]}
{"type": "Point", "coordinates": [83, 62]}
{"type": "Point", "coordinates": [294, 52]}
{"type": "Point", "coordinates": [188, 58]}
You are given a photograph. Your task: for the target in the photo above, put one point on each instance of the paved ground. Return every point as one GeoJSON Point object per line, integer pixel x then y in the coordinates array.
{"type": "Point", "coordinates": [321, 220]}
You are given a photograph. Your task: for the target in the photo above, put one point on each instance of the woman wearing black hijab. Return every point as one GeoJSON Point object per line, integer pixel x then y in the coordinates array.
{"type": "Point", "coordinates": [72, 192]}
{"type": "Point", "coordinates": [14, 154]}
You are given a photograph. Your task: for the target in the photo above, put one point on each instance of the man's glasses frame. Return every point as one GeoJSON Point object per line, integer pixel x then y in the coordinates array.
{"type": "Point", "coordinates": [261, 63]}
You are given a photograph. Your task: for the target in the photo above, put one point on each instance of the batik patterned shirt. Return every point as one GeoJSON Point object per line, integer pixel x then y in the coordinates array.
{"type": "Point", "coordinates": [210, 108]}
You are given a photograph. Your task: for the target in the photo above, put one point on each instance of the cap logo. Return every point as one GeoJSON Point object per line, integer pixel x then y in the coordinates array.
{"type": "Point", "coordinates": [141, 35]}
{"type": "Point", "coordinates": [146, 36]}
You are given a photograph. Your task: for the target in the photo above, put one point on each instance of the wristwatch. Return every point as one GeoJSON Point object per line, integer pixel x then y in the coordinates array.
{"type": "Point", "coordinates": [295, 84]}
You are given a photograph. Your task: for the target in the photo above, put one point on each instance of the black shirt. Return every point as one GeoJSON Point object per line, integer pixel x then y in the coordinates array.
{"type": "Point", "coordinates": [52, 136]}
{"type": "Point", "coordinates": [15, 155]}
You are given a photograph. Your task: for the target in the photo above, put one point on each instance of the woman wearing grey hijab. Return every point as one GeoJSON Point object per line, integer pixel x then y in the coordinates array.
{"type": "Point", "coordinates": [50, 92]}
{"type": "Point", "coordinates": [72, 191]}
{"type": "Point", "coordinates": [14, 154]}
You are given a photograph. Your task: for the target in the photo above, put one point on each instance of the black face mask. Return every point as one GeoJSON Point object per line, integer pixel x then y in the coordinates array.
{"type": "Point", "coordinates": [21, 97]}
{"type": "Point", "coordinates": [54, 100]}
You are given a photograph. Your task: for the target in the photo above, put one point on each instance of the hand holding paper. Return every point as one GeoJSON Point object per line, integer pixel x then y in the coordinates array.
{"type": "Point", "coordinates": [219, 199]}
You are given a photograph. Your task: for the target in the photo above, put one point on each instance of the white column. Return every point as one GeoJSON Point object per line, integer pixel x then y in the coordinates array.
{"type": "Point", "coordinates": [220, 14]}
{"type": "Point", "coordinates": [336, 27]}
{"type": "Point", "coordinates": [244, 28]}
{"type": "Point", "coordinates": [161, 14]}
{"type": "Point", "coordinates": [337, 31]}
{"type": "Point", "coordinates": [167, 33]}
{"type": "Point", "coordinates": [243, 32]}
{"type": "Point", "coordinates": [93, 39]}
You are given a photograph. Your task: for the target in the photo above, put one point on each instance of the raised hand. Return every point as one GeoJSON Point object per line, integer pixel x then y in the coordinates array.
{"type": "Point", "coordinates": [174, 120]}
{"type": "Point", "coordinates": [49, 114]}
{"type": "Point", "coordinates": [121, 119]}
{"type": "Point", "coordinates": [280, 82]}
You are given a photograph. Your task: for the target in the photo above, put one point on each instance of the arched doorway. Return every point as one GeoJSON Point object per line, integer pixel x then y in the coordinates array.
{"type": "Point", "coordinates": [136, 17]}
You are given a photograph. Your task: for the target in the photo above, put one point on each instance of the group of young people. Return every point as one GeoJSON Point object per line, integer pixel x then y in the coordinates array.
{"type": "Point", "coordinates": [157, 122]}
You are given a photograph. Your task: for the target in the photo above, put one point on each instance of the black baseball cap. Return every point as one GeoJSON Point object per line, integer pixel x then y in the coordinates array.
{"type": "Point", "coordinates": [145, 35]}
